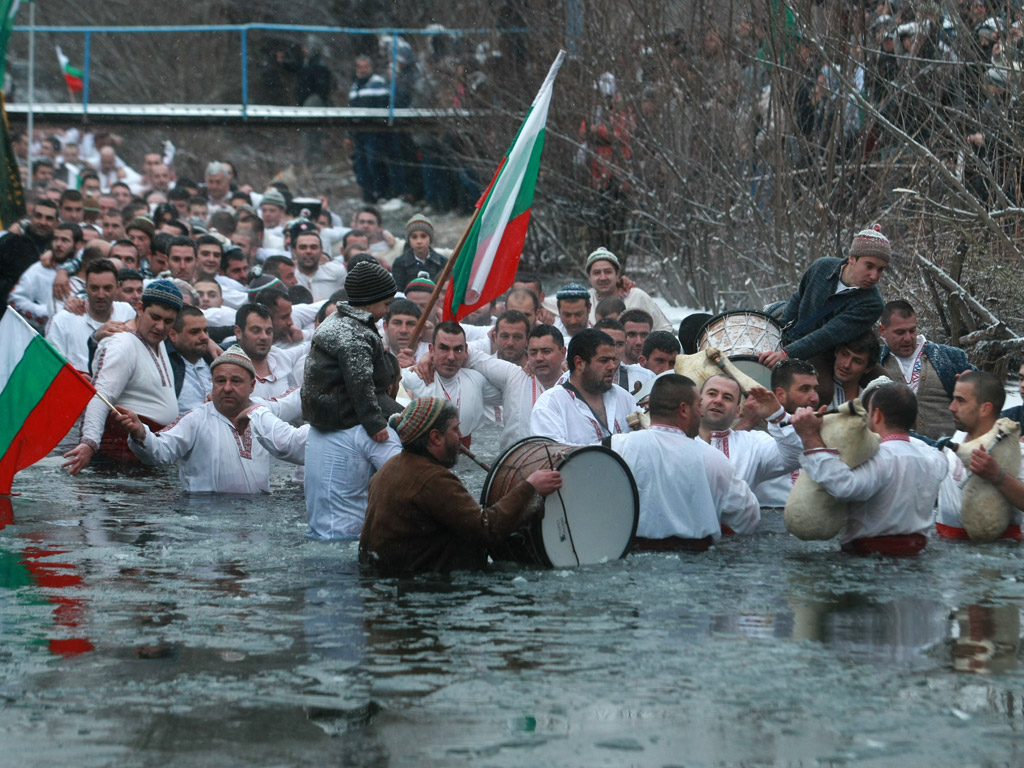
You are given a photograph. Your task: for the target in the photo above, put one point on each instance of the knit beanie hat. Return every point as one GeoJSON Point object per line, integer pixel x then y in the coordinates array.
{"type": "Point", "coordinates": [274, 197]}
{"type": "Point", "coordinates": [572, 292]}
{"type": "Point", "coordinates": [871, 242]}
{"type": "Point", "coordinates": [421, 282]}
{"type": "Point", "coordinates": [163, 292]}
{"type": "Point", "coordinates": [235, 355]}
{"type": "Point", "coordinates": [369, 283]}
{"type": "Point", "coordinates": [417, 418]}
{"type": "Point", "coordinates": [602, 253]}
{"type": "Point", "coordinates": [419, 223]}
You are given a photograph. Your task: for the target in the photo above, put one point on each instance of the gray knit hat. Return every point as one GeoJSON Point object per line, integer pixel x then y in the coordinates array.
{"type": "Point", "coordinates": [163, 292]}
{"type": "Point", "coordinates": [369, 283]}
{"type": "Point", "coordinates": [274, 197]}
{"type": "Point", "coordinates": [235, 355]}
{"type": "Point", "coordinates": [419, 223]}
{"type": "Point", "coordinates": [598, 255]}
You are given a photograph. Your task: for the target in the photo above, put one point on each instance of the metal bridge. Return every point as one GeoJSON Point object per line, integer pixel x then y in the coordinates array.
{"type": "Point", "coordinates": [243, 111]}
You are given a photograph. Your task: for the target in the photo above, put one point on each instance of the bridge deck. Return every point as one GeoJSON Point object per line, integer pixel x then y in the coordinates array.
{"type": "Point", "coordinates": [205, 114]}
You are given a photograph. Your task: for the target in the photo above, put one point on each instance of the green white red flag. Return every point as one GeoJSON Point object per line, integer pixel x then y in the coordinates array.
{"type": "Point", "coordinates": [485, 266]}
{"type": "Point", "coordinates": [41, 396]}
{"type": "Point", "coordinates": [72, 75]}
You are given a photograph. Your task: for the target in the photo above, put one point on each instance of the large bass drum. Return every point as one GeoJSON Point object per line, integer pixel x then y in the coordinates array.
{"type": "Point", "coordinates": [742, 336]}
{"type": "Point", "coordinates": [591, 519]}
{"type": "Point", "coordinates": [746, 332]}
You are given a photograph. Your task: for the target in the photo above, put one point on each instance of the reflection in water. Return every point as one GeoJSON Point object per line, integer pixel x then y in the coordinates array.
{"type": "Point", "coordinates": [987, 639]}
{"type": "Point", "coordinates": [223, 636]}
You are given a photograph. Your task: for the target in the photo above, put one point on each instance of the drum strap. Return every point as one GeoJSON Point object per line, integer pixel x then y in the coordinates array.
{"type": "Point", "coordinates": [579, 396]}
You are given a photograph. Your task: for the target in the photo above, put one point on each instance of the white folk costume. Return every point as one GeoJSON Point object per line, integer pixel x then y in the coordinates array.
{"type": "Point", "coordinates": [32, 295]}
{"type": "Point", "coordinates": [687, 488]}
{"type": "Point", "coordinates": [951, 497]}
{"type": "Point", "coordinates": [69, 333]}
{"type": "Point", "coordinates": [327, 279]}
{"type": "Point", "coordinates": [130, 373]}
{"type": "Point", "coordinates": [566, 418]}
{"type": "Point", "coordinates": [282, 372]}
{"type": "Point", "coordinates": [519, 392]}
{"type": "Point", "coordinates": [893, 493]}
{"type": "Point", "coordinates": [628, 375]}
{"type": "Point", "coordinates": [636, 299]}
{"type": "Point", "coordinates": [775, 491]}
{"type": "Point", "coordinates": [760, 456]}
{"type": "Point", "coordinates": [232, 292]}
{"type": "Point", "coordinates": [213, 457]}
{"type": "Point", "coordinates": [467, 390]}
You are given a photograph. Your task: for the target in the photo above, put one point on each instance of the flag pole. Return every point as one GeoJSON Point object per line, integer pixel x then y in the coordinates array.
{"type": "Point", "coordinates": [31, 84]}
{"type": "Point", "coordinates": [445, 274]}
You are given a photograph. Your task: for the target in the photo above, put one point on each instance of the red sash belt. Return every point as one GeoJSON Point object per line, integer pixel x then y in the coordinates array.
{"type": "Point", "coordinates": [901, 545]}
{"type": "Point", "coordinates": [952, 532]}
{"type": "Point", "coordinates": [114, 444]}
{"type": "Point", "coordinates": [672, 544]}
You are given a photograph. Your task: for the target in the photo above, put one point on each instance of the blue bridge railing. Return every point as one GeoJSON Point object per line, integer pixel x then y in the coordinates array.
{"type": "Point", "coordinates": [243, 31]}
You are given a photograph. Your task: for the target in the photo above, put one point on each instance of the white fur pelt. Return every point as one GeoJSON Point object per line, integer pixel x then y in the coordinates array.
{"type": "Point", "coordinates": [811, 513]}
{"type": "Point", "coordinates": [984, 511]}
{"type": "Point", "coordinates": [702, 366]}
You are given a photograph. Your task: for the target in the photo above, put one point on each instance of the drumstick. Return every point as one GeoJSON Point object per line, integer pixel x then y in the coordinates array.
{"type": "Point", "coordinates": [826, 412]}
{"type": "Point", "coordinates": [565, 513]}
{"type": "Point", "coordinates": [473, 457]}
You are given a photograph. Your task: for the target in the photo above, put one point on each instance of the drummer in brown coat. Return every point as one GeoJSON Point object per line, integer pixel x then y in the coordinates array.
{"type": "Point", "coordinates": [420, 516]}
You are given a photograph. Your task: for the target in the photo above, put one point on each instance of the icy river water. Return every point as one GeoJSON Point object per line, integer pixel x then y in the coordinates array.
{"type": "Point", "coordinates": [139, 627]}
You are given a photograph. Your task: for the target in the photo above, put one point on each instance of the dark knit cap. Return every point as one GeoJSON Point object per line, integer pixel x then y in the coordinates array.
{"type": "Point", "coordinates": [421, 282]}
{"type": "Point", "coordinates": [142, 223]}
{"type": "Point", "coordinates": [417, 418]}
{"type": "Point", "coordinates": [871, 242]}
{"type": "Point", "coordinates": [163, 292]}
{"type": "Point", "coordinates": [369, 283]}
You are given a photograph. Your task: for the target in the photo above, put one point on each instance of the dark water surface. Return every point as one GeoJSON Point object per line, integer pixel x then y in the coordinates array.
{"type": "Point", "coordinates": [139, 627]}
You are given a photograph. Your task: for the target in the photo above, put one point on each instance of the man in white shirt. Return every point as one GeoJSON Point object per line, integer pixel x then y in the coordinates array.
{"type": "Point", "coordinates": [321, 279]}
{"type": "Point", "coordinates": [587, 407]}
{"type": "Point", "coordinates": [688, 490]}
{"type": "Point", "coordinates": [131, 370]}
{"type": "Point", "coordinates": [223, 446]}
{"type": "Point", "coordinates": [254, 330]}
{"type": "Point", "coordinates": [32, 296]}
{"type": "Point", "coordinates": [629, 377]}
{"type": "Point", "coordinates": [757, 456]}
{"type": "Point", "coordinates": [603, 269]}
{"type": "Point", "coordinates": [399, 323]}
{"type": "Point", "coordinates": [795, 384]}
{"type": "Point", "coordinates": [520, 388]}
{"type": "Point", "coordinates": [467, 390]}
{"type": "Point", "coordinates": [892, 494]}
{"type": "Point", "coordinates": [69, 333]}
{"type": "Point", "coordinates": [977, 401]}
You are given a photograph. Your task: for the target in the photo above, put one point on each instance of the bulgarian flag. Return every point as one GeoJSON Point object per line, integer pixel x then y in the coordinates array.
{"type": "Point", "coordinates": [41, 395]}
{"type": "Point", "coordinates": [485, 266]}
{"type": "Point", "coordinates": [72, 75]}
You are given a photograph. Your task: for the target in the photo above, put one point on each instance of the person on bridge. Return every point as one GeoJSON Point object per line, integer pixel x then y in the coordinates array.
{"type": "Point", "coordinates": [368, 91]}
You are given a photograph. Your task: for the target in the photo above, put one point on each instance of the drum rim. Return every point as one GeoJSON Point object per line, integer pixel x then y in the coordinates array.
{"type": "Point", "coordinates": [486, 490]}
{"type": "Point", "coordinates": [720, 315]}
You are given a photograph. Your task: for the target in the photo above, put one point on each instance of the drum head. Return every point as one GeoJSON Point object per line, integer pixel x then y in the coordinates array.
{"type": "Point", "coordinates": [745, 332]}
{"type": "Point", "coordinates": [594, 517]}
{"type": "Point", "coordinates": [762, 374]}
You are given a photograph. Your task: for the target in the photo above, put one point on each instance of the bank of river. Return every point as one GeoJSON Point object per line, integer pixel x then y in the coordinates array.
{"type": "Point", "coordinates": [143, 628]}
